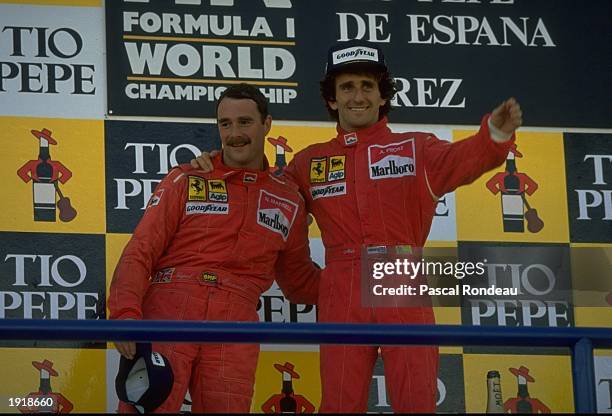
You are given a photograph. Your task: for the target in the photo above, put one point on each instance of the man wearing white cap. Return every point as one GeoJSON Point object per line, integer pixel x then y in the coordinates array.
{"type": "Point", "coordinates": [382, 193]}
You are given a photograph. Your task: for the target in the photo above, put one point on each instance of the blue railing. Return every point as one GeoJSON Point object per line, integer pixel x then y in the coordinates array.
{"type": "Point", "coordinates": [581, 341]}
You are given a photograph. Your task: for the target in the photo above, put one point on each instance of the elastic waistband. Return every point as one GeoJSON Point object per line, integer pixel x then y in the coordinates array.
{"type": "Point", "coordinates": [240, 285]}
{"type": "Point", "coordinates": [342, 253]}
{"type": "Point", "coordinates": [354, 252]}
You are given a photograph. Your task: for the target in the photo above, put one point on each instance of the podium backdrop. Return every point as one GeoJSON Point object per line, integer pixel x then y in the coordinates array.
{"type": "Point", "coordinates": [123, 90]}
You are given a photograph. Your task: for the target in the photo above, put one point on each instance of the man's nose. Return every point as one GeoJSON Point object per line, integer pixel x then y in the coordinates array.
{"type": "Point", "coordinates": [359, 95]}
{"type": "Point", "coordinates": [234, 131]}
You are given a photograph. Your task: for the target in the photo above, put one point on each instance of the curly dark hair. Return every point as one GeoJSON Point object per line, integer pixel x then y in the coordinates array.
{"type": "Point", "coordinates": [244, 91]}
{"type": "Point", "coordinates": [386, 86]}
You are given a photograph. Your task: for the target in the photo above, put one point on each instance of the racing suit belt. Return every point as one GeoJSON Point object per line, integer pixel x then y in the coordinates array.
{"type": "Point", "coordinates": [240, 285]}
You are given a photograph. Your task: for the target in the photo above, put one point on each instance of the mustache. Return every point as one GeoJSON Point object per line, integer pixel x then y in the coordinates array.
{"type": "Point", "coordinates": [238, 141]}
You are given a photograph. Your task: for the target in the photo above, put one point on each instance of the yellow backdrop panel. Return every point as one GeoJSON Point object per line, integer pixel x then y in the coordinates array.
{"type": "Point", "coordinates": [479, 216]}
{"type": "Point", "coordinates": [80, 149]}
{"type": "Point", "coordinates": [551, 374]}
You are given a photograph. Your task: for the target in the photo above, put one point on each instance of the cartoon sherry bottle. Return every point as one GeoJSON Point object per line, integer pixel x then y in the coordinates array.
{"type": "Point", "coordinates": [45, 174]}
{"type": "Point", "coordinates": [523, 403]}
{"type": "Point", "coordinates": [280, 146]}
{"type": "Point", "coordinates": [513, 186]}
{"type": "Point", "coordinates": [287, 401]}
{"type": "Point", "coordinates": [47, 401]}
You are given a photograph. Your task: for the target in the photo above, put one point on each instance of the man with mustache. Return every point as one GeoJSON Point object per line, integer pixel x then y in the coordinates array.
{"type": "Point", "coordinates": [385, 198]}
{"type": "Point", "coordinates": [206, 248]}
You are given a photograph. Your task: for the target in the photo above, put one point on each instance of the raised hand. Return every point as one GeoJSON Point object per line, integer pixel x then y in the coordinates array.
{"type": "Point", "coordinates": [508, 116]}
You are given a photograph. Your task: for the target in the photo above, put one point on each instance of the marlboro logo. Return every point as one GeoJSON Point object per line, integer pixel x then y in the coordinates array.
{"type": "Point", "coordinates": [275, 213]}
{"type": "Point", "coordinates": [394, 160]}
{"type": "Point", "coordinates": [350, 139]}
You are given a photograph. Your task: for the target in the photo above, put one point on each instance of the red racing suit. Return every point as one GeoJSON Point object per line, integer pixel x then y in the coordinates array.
{"type": "Point", "coordinates": [373, 188]}
{"type": "Point", "coordinates": [206, 248]}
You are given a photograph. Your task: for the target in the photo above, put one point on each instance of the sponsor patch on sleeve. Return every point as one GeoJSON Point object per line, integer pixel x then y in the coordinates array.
{"type": "Point", "coordinates": [275, 213]}
{"type": "Point", "coordinates": [156, 198]}
{"type": "Point", "coordinates": [197, 189]}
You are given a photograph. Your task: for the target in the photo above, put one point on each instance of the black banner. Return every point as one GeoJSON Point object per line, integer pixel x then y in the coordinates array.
{"type": "Point", "coordinates": [452, 60]}
{"type": "Point", "coordinates": [451, 391]}
{"type": "Point", "coordinates": [52, 276]}
{"type": "Point", "coordinates": [138, 155]}
{"type": "Point", "coordinates": [541, 276]}
{"type": "Point", "coordinates": [588, 167]}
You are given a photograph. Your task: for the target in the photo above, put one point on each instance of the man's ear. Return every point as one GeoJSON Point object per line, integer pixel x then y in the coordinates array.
{"type": "Point", "coordinates": [333, 105]}
{"type": "Point", "coordinates": [268, 124]}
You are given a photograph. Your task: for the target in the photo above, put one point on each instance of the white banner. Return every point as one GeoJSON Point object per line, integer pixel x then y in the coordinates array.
{"type": "Point", "coordinates": [52, 61]}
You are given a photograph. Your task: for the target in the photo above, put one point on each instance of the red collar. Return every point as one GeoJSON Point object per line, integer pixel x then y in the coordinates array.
{"type": "Point", "coordinates": [245, 175]}
{"type": "Point", "coordinates": [346, 138]}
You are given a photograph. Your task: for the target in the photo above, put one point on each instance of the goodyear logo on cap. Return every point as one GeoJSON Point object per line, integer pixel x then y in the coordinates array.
{"type": "Point", "coordinates": [197, 189]}
{"type": "Point", "coordinates": [355, 53]}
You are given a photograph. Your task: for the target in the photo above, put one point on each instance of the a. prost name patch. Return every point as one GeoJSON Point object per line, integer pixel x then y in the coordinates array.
{"type": "Point", "coordinates": [393, 160]}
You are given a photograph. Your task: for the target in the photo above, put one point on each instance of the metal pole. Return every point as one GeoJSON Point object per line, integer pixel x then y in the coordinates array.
{"type": "Point", "coordinates": [583, 372]}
